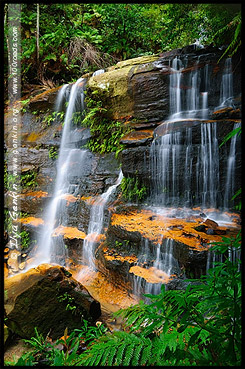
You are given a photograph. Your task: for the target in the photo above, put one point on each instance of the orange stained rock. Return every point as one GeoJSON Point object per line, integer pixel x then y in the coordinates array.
{"type": "Point", "coordinates": [85, 198]}
{"type": "Point", "coordinates": [33, 137]}
{"type": "Point", "coordinates": [42, 95]}
{"type": "Point", "coordinates": [138, 135]}
{"type": "Point", "coordinates": [36, 194]}
{"type": "Point", "coordinates": [151, 275]}
{"type": "Point", "coordinates": [156, 227]}
{"type": "Point", "coordinates": [90, 200]}
{"type": "Point", "coordinates": [69, 198]}
{"type": "Point", "coordinates": [130, 259]}
{"type": "Point", "coordinates": [68, 232]}
{"type": "Point", "coordinates": [110, 297]}
{"type": "Point", "coordinates": [31, 221]}
{"type": "Point", "coordinates": [95, 237]}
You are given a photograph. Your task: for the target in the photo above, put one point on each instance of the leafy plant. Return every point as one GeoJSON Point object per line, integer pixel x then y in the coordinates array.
{"type": "Point", "coordinates": [52, 153]}
{"type": "Point", "coordinates": [25, 240]}
{"type": "Point", "coordinates": [132, 190]}
{"type": "Point", "coordinates": [28, 179]}
{"type": "Point", "coordinates": [234, 27]}
{"type": "Point", "coordinates": [106, 132]}
{"type": "Point", "coordinates": [70, 302]}
{"type": "Point", "coordinates": [198, 326]}
{"type": "Point", "coordinates": [53, 117]}
{"type": "Point", "coordinates": [64, 351]}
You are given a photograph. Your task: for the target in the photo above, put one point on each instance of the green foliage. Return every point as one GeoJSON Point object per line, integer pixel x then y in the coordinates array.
{"type": "Point", "coordinates": [78, 38]}
{"type": "Point", "coordinates": [53, 117]}
{"type": "Point", "coordinates": [132, 190]}
{"type": "Point", "coordinates": [234, 30]}
{"type": "Point", "coordinates": [9, 179]}
{"type": "Point", "coordinates": [121, 348]}
{"type": "Point", "coordinates": [28, 179]}
{"type": "Point", "coordinates": [70, 302]}
{"type": "Point", "coordinates": [231, 134]}
{"type": "Point", "coordinates": [24, 105]}
{"type": "Point", "coordinates": [25, 240]}
{"type": "Point", "coordinates": [61, 352]}
{"type": "Point", "coordinates": [197, 326]}
{"type": "Point", "coordinates": [52, 153]}
{"type": "Point", "coordinates": [106, 133]}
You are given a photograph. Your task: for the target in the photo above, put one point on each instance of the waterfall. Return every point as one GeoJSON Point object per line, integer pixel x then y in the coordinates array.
{"type": "Point", "coordinates": [50, 250]}
{"type": "Point", "coordinates": [95, 227]}
{"type": "Point", "coordinates": [230, 176]}
{"type": "Point", "coordinates": [192, 97]}
{"type": "Point", "coordinates": [233, 255]}
{"type": "Point", "coordinates": [62, 96]}
{"type": "Point", "coordinates": [97, 72]}
{"type": "Point", "coordinates": [165, 161]}
{"type": "Point", "coordinates": [139, 282]}
{"type": "Point", "coordinates": [175, 89]}
{"type": "Point", "coordinates": [174, 152]}
{"type": "Point", "coordinates": [192, 103]}
{"type": "Point", "coordinates": [183, 173]}
{"type": "Point", "coordinates": [164, 265]}
{"type": "Point", "coordinates": [226, 88]}
{"type": "Point", "coordinates": [208, 166]}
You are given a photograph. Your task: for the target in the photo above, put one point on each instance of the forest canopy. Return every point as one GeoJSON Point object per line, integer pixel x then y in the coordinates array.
{"type": "Point", "coordinates": [78, 38]}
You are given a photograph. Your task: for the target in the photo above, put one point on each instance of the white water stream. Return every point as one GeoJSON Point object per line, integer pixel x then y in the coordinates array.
{"type": "Point", "coordinates": [96, 222]}
{"type": "Point", "coordinates": [48, 247]}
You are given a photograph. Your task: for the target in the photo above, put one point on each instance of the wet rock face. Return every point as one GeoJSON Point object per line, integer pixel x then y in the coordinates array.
{"type": "Point", "coordinates": [131, 229]}
{"type": "Point", "coordinates": [39, 298]}
{"type": "Point", "coordinates": [140, 87]}
{"type": "Point", "coordinates": [141, 160]}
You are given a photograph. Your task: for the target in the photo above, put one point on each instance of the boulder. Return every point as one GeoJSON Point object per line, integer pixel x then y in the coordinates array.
{"type": "Point", "coordinates": [48, 298]}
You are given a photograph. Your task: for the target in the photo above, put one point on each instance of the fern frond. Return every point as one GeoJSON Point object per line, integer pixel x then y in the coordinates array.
{"type": "Point", "coordinates": [129, 352]}
{"type": "Point", "coordinates": [111, 355]}
{"type": "Point", "coordinates": [146, 352]}
{"type": "Point", "coordinates": [119, 348]}
{"type": "Point", "coordinates": [120, 353]}
{"type": "Point", "coordinates": [136, 358]}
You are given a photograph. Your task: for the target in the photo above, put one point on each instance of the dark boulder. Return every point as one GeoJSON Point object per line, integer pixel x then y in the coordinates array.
{"type": "Point", "coordinates": [48, 298]}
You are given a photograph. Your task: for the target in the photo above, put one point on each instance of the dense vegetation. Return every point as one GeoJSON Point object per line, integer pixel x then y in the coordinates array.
{"type": "Point", "coordinates": [79, 38]}
{"type": "Point", "coordinates": [200, 325]}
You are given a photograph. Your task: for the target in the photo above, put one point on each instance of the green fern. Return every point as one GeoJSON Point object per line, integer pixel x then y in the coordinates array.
{"type": "Point", "coordinates": [119, 348]}
{"type": "Point", "coordinates": [236, 41]}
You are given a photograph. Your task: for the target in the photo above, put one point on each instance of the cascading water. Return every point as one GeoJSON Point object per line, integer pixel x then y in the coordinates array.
{"type": "Point", "coordinates": [175, 154]}
{"type": "Point", "coordinates": [52, 249]}
{"type": "Point", "coordinates": [61, 98]}
{"type": "Point", "coordinates": [226, 88]}
{"type": "Point", "coordinates": [230, 176]}
{"type": "Point", "coordinates": [174, 88]}
{"type": "Point", "coordinates": [207, 168]}
{"type": "Point", "coordinates": [96, 222]}
{"type": "Point", "coordinates": [233, 254]}
{"type": "Point", "coordinates": [191, 102]}
{"type": "Point", "coordinates": [164, 265]}
{"type": "Point", "coordinates": [97, 72]}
